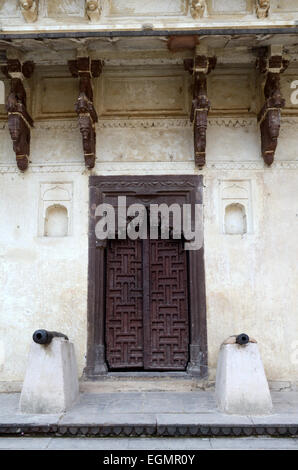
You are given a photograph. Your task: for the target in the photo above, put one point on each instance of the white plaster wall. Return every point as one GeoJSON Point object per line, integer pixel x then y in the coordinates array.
{"type": "Point", "coordinates": [251, 280]}
{"type": "Point", "coordinates": [43, 280]}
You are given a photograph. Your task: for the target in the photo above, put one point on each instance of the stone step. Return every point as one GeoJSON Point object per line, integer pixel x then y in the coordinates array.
{"type": "Point", "coordinates": [133, 383]}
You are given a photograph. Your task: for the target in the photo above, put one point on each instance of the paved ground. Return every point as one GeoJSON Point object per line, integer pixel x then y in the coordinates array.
{"type": "Point", "coordinates": [151, 413]}
{"type": "Point", "coordinates": [58, 443]}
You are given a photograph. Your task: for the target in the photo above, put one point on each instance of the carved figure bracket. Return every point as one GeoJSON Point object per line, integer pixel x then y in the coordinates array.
{"type": "Point", "coordinates": [19, 120]}
{"type": "Point", "coordinates": [200, 66]}
{"type": "Point", "coordinates": [29, 9]}
{"type": "Point", "coordinates": [269, 117]}
{"type": "Point", "coordinates": [84, 68]}
{"type": "Point", "coordinates": [262, 8]}
{"type": "Point", "coordinates": [197, 8]}
{"type": "Point", "coordinates": [93, 10]}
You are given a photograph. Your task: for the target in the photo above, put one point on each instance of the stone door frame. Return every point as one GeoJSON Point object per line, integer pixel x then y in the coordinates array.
{"type": "Point", "coordinates": [188, 189]}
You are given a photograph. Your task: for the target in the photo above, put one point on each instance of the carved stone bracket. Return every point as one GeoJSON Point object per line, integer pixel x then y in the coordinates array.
{"type": "Point", "coordinates": [269, 116]}
{"type": "Point", "coordinates": [93, 10]}
{"type": "Point", "coordinates": [29, 9]}
{"type": "Point", "coordinates": [197, 8]}
{"type": "Point", "coordinates": [262, 8]}
{"type": "Point", "coordinates": [84, 68]}
{"type": "Point", "coordinates": [200, 66]}
{"type": "Point", "coordinates": [19, 120]}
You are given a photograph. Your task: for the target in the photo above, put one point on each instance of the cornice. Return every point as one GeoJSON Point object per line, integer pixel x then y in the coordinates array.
{"type": "Point", "coordinates": [153, 123]}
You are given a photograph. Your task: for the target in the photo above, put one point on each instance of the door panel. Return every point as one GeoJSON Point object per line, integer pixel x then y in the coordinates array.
{"type": "Point", "coordinates": [168, 330]}
{"type": "Point", "coordinates": [147, 305]}
{"type": "Point", "coordinates": [124, 304]}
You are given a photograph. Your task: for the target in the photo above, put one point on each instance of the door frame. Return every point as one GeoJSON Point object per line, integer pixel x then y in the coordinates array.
{"type": "Point", "coordinates": [189, 189]}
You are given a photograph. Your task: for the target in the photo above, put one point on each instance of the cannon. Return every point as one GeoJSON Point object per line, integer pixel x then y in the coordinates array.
{"type": "Point", "coordinates": [242, 339]}
{"type": "Point", "coordinates": [45, 337]}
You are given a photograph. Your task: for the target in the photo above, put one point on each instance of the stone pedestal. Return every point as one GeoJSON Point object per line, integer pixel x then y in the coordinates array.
{"type": "Point", "coordinates": [51, 381]}
{"type": "Point", "coordinates": [241, 384]}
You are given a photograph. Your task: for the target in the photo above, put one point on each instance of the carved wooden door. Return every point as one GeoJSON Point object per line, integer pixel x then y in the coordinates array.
{"type": "Point", "coordinates": [146, 305]}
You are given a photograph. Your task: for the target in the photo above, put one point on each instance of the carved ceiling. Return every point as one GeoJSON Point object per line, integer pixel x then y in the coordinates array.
{"type": "Point", "coordinates": [227, 48]}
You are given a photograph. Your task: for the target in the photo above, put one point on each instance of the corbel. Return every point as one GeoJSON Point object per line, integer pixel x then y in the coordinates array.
{"type": "Point", "coordinates": [271, 63]}
{"type": "Point", "coordinates": [200, 67]}
{"type": "Point", "coordinates": [84, 69]}
{"type": "Point", "coordinates": [19, 120]}
{"type": "Point", "coordinates": [262, 8]}
{"type": "Point", "coordinates": [93, 10]}
{"type": "Point", "coordinates": [198, 8]}
{"type": "Point", "coordinates": [29, 9]}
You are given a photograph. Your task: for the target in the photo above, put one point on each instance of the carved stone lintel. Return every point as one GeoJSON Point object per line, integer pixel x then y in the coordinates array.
{"type": "Point", "coordinates": [93, 10]}
{"type": "Point", "coordinates": [197, 8]}
{"type": "Point", "coordinates": [269, 117]}
{"type": "Point", "coordinates": [84, 68]}
{"type": "Point", "coordinates": [29, 9]}
{"type": "Point", "coordinates": [262, 8]}
{"type": "Point", "coordinates": [200, 66]}
{"type": "Point", "coordinates": [19, 120]}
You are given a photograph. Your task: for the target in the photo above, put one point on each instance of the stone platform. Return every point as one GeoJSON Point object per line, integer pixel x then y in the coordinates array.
{"type": "Point", "coordinates": [132, 414]}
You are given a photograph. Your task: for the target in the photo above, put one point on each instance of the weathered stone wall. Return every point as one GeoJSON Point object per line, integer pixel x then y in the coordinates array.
{"type": "Point", "coordinates": [251, 279]}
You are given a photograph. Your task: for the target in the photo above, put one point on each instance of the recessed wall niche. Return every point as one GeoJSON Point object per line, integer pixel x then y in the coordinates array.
{"type": "Point", "coordinates": [55, 210]}
{"type": "Point", "coordinates": [56, 221]}
{"type": "Point", "coordinates": [235, 219]}
{"type": "Point", "coordinates": [235, 207]}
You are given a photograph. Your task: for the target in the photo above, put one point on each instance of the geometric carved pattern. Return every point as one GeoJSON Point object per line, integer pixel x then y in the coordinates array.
{"type": "Point", "coordinates": [124, 304]}
{"type": "Point", "coordinates": [168, 325]}
{"type": "Point", "coordinates": [146, 305]}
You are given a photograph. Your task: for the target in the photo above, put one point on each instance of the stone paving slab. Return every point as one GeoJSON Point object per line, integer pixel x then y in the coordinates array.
{"type": "Point", "coordinates": [164, 419]}
{"type": "Point", "coordinates": [10, 413]}
{"type": "Point", "coordinates": [255, 443]}
{"type": "Point", "coordinates": [150, 413]}
{"type": "Point", "coordinates": [145, 443]}
{"type": "Point", "coordinates": [108, 419]}
{"type": "Point", "coordinates": [24, 443]}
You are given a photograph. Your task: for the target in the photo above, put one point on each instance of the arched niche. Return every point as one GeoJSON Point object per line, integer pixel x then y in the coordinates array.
{"type": "Point", "coordinates": [56, 221]}
{"type": "Point", "coordinates": [235, 219]}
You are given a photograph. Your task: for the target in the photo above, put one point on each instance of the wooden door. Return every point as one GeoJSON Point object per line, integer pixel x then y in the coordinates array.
{"type": "Point", "coordinates": [146, 305]}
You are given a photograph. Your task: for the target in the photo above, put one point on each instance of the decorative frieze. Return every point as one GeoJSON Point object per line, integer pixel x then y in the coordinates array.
{"type": "Point", "coordinates": [84, 68]}
{"type": "Point", "coordinates": [19, 120]}
{"type": "Point", "coordinates": [269, 117]}
{"type": "Point", "coordinates": [170, 123]}
{"type": "Point", "coordinates": [29, 9]}
{"type": "Point", "coordinates": [159, 167]}
{"type": "Point", "coordinates": [200, 66]}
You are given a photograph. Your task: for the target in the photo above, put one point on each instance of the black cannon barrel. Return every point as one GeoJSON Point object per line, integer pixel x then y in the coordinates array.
{"type": "Point", "coordinates": [242, 339]}
{"type": "Point", "coordinates": [45, 337]}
